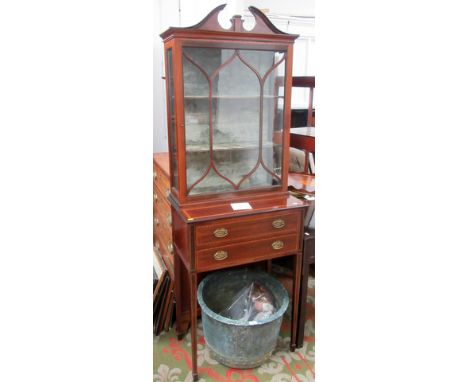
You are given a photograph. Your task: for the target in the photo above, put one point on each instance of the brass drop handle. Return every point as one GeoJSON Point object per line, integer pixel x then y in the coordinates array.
{"type": "Point", "coordinates": [278, 223]}
{"type": "Point", "coordinates": [155, 175]}
{"type": "Point", "coordinates": [220, 232]}
{"type": "Point", "coordinates": [156, 221]}
{"type": "Point", "coordinates": [278, 244]}
{"type": "Point", "coordinates": [157, 245]}
{"type": "Point", "coordinates": [167, 193]}
{"type": "Point", "coordinates": [220, 255]}
{"type": "Point", "coordinates": [170, 248]}
{"type": "Point", "coordinates": [169, 219]}
{"type": "Point", "coordinates": [155, 197]}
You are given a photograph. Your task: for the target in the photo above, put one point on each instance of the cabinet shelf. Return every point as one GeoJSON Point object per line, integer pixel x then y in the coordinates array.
{"type": "Point", "coordinates": [232, 97]}
{"type": "Point", "coordinates": [228, 146]}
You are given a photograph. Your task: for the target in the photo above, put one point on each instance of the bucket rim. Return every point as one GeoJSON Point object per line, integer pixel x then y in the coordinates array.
{"type": "Point", "coordinates": [206, 310]}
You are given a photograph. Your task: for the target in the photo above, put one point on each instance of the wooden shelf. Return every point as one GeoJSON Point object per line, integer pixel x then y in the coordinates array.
{"type": "Point", "coordinates": [231, 97]}
{"type": "Point", "coordinates": [228, 146]}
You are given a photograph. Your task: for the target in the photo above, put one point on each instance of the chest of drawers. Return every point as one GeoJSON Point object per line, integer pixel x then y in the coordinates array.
{"type": "Point", "coordinates": [162, 219]}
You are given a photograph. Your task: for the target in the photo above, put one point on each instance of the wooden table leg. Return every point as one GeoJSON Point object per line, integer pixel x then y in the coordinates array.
{"type": "Point", "coordinates": [178, 293]}
{"type": "Point", "coordinates": [193, 317]}
{"type": "Point", "coordinates": [302, 304]}
{"type": "Point", "coordinates": [295, 299]}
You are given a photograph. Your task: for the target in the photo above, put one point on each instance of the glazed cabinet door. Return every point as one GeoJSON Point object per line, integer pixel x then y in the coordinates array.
{"type": "Point", "coordinates": [234, 117]}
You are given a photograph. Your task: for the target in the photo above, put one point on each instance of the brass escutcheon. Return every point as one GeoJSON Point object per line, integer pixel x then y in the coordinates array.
{"type": "Point", "coordinates": [278, 223]}
{"type": "Point", "coordinates": [156, 222]}
{"type": "Point", "coordinates": [220, 255]}
{"type": "Point", "coordinates": [155, 175]}
{"type": "Point", "coordinates": [278, 244]}
{"type": "Point", "coordinates": [155, 197]}
{"type": "Point", "coordinates": [220, 232]}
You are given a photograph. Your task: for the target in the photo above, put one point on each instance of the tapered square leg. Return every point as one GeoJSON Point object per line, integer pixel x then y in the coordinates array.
{"type": "Point", "coordinates": [193, 323]}
{"type": "Point", "coordinates": [295, 299]}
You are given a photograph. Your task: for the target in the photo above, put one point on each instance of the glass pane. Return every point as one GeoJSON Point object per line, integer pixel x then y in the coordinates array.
{"type": "Point", "coordinates": [233, 119]}
{"type": "Point", "coordinates": [171, 117]}
{"type": "Point", "coordinates": [197, 117]}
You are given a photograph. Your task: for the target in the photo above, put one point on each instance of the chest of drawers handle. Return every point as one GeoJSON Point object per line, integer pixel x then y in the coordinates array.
{"type": "Point", "coordinates": [155, 197]}
{"type": "Point", "coordinates": [167, 193]}
{"type": "Point", "coordinates": [278, 244]}
{"type": "Point", "coordinates": [156, 222]}
{"type": "Point", "coordinates": [170, 248]}
{"type": "Point", "coordinates": [220, 255]}
{"type": "Point", "coordinates": [169, 219]}
{"type": "Point", "coordinates": [278, 223]}
{"type": "Point", "coordinates": [155, 175]}
{"type": "Point", "coordinates": [220, 232]}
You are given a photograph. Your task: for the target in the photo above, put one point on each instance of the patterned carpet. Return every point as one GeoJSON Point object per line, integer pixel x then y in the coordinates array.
{"type": "Point", "coordinates": [172, 358]}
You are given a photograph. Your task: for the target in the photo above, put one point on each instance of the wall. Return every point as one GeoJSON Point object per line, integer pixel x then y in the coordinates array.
{"type": "Point", "coordinates": [288, 16]}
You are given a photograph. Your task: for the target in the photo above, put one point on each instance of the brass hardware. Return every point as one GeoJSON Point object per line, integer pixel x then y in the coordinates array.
{"type": "Point", "coordinates": [155, 175]}
{"type": "Point", "coordinates": [167, 192]}
{"type": "Point", "coordinates": [155, 197]}
{"type": "Point", "coordinates": [220, 255]}
{"type": "Point", "coordinates": [278, 244]}
{"type": "Point", "coordinates": [278, 223]}
{"type": "Point", "coordinates": [170, 248]}
{"type": "Point", "coordinates": [169, 219]}
{"type": "Point", "coordinates": [220, 232]}
{"type": "Point", "coordinates": [157, 245]}
{"type": "Point", "coordinates": [156, 221]}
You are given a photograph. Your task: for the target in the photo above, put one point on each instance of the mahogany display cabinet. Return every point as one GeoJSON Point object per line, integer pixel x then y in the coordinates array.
{"type": "Point", "coordinates": [228, 107]}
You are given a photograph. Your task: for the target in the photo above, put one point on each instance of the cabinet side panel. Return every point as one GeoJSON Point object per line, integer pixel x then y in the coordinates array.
{"type": "Point", "coordinates": [181, 239]}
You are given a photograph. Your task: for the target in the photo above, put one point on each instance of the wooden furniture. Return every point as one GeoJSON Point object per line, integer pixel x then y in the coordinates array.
{"type": "Point", "coordinates": [305, 185]}
{"type": "Point", "coordinates": [228, 108]}
{"type": "Point", "coordinates": [162, 218]}
{"type": "Point", "coordinates": [162, 229]}
{"type": "Point", "coordinates": [308, 259]}
{"type": "Point", "coordinates": [303, 138]}
{"type": "Point", "coordinates": [307, 82]}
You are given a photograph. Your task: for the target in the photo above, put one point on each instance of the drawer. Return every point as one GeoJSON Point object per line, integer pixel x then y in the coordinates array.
{"type": "Point", "coordinates": [163, 243]}
{"type": "Point", "coordinates": [228, 231]}
{"type": "Point", "coordinates": [246, 252]}
{"type": "Point", "coordinates": [162, 220]}
{"type": "Point", "coordinates": [160, 201]}
{"type": "Point", "coordinates": [160, 179]}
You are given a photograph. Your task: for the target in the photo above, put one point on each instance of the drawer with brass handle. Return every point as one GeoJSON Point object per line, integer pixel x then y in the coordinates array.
{"type": "Point", "coordinates": [220, 232]}
{"type": "Point", "coordinates": [278, 244]}
{"type": "Point", "coordinates": [170, 248]}
{"type": "Point", "coordinates": [278, 223]}
{"type": "Point", "coordinates": [208, 235]}
{"type": "Point", "coordinates": [161, 180]}
{"type": "Point", "coordinates": [163, 240]}
{"type": "Point", "coordinates": [244, 252]}
{"type": "Point", "coordinates": [220, 255]}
